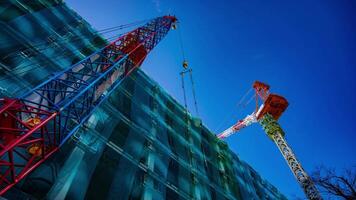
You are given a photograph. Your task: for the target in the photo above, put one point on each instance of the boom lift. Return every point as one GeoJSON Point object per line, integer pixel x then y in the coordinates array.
{"type": "Point", "coordinates": [35, 125]}
{"type": "Point", "coordinates": [267, 115]}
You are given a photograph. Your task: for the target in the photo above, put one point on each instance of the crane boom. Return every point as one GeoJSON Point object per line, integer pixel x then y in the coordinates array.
{"type": "Point", "coordinates": [267, 115]}
{"type": "Point", "coordinates": [37, 124]}
{"type": "Point", "coordinates": [248, 120]}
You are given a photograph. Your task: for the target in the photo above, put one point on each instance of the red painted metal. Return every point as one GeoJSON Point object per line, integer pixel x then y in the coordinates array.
{"type": "Point", "coordinates": [272, 103]}
{"type": "Point", "coordinates": [275, 105]}
{"type": "Point", "coordinates": [18, 134]}
{"type": "Point", "coordinates": [139, 53]}
{"type": "Point", "coordinates": [261, 89]}
{"type": "Point", "coordinates": [31, 131]}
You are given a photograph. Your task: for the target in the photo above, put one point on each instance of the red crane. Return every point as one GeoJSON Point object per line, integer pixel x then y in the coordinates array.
{"type": "Point", "coordinates": [267, 115]}
{"type": "Point", "coordinates": [35, 125]}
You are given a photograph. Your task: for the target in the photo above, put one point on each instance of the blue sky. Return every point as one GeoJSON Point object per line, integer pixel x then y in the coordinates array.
{"type": "Point", "coordinates": [304, 49]}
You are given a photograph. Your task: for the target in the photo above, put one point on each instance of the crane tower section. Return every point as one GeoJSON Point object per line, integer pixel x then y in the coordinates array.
{"type": "Point", "coordinates": [271, 108]}
{"type": "Point", "coordinates": [275, 132]}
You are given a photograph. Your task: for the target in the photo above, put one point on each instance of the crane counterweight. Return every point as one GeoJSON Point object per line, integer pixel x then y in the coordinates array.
{"type": "Point", "coordinates": [275, 105]}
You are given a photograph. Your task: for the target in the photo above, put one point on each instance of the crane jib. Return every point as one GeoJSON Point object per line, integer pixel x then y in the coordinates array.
{"type": "Point", "coordinates": [267, 114]}
{"type": "Point", "coordinates": [35, 125]}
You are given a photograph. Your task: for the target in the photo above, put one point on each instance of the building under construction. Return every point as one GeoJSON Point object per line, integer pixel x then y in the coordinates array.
{"type": "Point", "coordinates": [134, 142]}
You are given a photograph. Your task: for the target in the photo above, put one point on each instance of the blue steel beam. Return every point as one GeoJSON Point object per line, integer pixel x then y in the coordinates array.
{"type": "Point", "coordinates": [36, 124]}
{"type": "Point", "coordinates": [82, 93]}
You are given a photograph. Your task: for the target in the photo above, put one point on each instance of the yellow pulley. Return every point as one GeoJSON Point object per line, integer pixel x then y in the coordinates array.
{"type": "Point", "coordinates": [185, 64]}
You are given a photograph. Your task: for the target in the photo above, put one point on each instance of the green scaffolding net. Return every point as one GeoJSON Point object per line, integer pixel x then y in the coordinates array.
{"type": "Point", "coordinates": [38, 38]}
{"type": "Point", "coordinates": [140, 144]}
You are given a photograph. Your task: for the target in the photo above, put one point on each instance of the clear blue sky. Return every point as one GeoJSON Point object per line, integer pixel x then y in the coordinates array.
{"type": "Point", "coordinates": [306, 50]}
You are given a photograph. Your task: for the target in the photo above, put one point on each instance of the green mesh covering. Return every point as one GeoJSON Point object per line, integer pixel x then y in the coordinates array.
{"type": "Point", "coordinates": [162, 141]}
{"type": "Point", "coordinates": [38, 38]}
{"type": "Point", "coordinates": [140, 144]}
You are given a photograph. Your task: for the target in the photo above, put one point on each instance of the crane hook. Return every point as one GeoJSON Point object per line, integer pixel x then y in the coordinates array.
{"type": "Point", "coordinates": [185, 64]}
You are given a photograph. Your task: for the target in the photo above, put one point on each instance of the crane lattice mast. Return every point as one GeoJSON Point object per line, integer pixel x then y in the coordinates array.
{"type": "Point", "coordinates": [37, 124]}
{"type": "Point", "coordinates": [267, 115]}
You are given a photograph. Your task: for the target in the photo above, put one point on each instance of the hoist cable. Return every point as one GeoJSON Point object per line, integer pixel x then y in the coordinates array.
{"type": "Point", "coordinates": [244, 97]}
{"type": "Point", "coordinates": [181, 43]}
{"type": "Point", "coordinates": [59, 57]}
{"type": "Point", "coordinates": [193, 90]}
{"type": "Point", "coordinates": [78, 37]}
{"type": "Point", "coordinates": [183, 88]}
{"type": "Point", "coordinates": [240, 105]}
{"type": "Point", "coordinates": [185, 70]}
{"type": "Point", "coordinates": [249, 101]}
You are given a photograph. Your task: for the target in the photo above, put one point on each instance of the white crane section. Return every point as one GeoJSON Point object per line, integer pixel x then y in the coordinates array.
{"type": "Point", "coordinates": [267, 115]}
{"type": "Point", "coordinates": [248, 120]}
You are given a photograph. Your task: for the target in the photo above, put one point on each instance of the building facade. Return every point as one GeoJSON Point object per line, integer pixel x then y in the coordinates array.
{"type": "Point", "coordinates": [139, 144]}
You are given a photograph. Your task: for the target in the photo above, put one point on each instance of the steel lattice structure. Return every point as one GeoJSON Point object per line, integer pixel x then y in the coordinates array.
{"type": "Point", "coordinates": [275, 132]}
{"type": "Point", "coordinates": [267, 115]}
{"type": "Point", "coordinates": [35, 125]}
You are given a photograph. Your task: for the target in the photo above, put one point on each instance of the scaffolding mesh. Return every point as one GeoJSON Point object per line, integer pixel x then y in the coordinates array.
{"type": "Point", "coordinates": [140, 144]}
{"type": "Point", "coordinates": [38, 38]}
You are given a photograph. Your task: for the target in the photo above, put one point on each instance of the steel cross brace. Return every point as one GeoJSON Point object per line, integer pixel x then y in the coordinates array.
{"type": "Point", "coordinates": [36, 124]}
{"type": "Point", "coordinates": [275, 132]}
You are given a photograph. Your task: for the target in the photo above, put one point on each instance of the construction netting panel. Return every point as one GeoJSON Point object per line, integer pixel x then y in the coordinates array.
{"type": "Point", "coordinates": [38, 38]}
{"type": "Point", "coordinates": [140, 144]}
